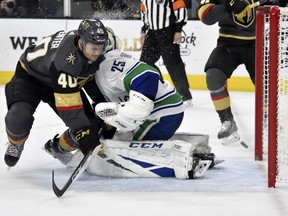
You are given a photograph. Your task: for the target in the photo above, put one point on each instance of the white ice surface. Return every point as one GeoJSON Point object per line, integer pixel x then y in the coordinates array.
{"type": "Point", "coordinates": [236, 187]}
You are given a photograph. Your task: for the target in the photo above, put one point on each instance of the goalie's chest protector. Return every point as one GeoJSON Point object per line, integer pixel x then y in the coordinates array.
{"type": "Point", "coordinates": [110, 77]}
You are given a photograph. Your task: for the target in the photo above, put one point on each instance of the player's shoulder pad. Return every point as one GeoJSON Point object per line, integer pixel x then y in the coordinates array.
{"type": "Point", "coordinates": [68, 58]}
{"type": "Point", "coordinates": [119, 56]}
{"type": "Point", "coordinates": [117, 53]}
{"type": "Point", "coordinates": [112, 53]}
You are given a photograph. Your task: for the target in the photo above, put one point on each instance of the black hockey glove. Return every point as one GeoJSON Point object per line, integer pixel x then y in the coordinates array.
{"type": "Point", "coordinates": [235, 6]}
{"type": "Point", "coordinates": [109, 132]}
{"type": "Point", "coordinates": [88, 139]}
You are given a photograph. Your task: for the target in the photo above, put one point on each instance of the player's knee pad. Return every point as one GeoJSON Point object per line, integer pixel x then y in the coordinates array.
{"type": "Point", "coordinates": [215, 79]}
{"type": "Point", "coordinates": [19, 119]}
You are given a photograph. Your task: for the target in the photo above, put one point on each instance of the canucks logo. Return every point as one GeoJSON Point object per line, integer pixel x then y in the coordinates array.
{"type": "Point", "coordinates": [246, 17]}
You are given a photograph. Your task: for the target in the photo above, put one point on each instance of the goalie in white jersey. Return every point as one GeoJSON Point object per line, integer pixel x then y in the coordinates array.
{"type": "Point", "coordinates": [147, 111]}
{"type": "Point", "coordinates": [138, 100]}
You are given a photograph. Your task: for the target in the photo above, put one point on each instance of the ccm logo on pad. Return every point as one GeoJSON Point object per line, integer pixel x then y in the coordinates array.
{"type": "Point", "coordinates": [145, 145]}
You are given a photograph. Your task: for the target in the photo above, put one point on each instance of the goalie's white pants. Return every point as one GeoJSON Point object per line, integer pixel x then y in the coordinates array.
{"type": "Point", "coordinates": [172, 158]}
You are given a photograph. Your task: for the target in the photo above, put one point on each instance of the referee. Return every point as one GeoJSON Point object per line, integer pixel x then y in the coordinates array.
{"type": "Point", "coordinates": [161, 36]}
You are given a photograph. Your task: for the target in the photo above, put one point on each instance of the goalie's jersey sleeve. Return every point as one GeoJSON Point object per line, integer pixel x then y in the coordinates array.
{"type": "Point", "coordinates": [235, 29]}
{"type": "Point", "coordinates": [119, 73]}
{"type": "Point", "coordinates": [56, 62]}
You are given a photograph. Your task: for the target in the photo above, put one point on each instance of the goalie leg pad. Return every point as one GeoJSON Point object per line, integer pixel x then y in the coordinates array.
{"type": "Point", "coordinates": [183, 161]}
{"type": "Point", "coordinates": [175, 158]}
{"type": "Point", "coordinates": [186, 163]}
{"type": "Point", "coordinates": [201, 140]}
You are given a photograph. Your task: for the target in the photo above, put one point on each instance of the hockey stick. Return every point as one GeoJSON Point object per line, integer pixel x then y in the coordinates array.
{"type": "Point", "coordinates": [258, 3]}
{"type": "Point", "coordinates": [77, 172]}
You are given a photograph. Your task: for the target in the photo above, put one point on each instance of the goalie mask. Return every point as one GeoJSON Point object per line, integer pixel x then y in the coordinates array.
{"type": "Point", "coordinates": [113, 41]}
{"type": "Point", "coordinates": [93, 31]}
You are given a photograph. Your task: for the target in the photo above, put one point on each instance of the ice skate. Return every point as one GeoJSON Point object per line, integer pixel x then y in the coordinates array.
{"type": "Point", "coordinates": [228, 132]}
{"type": "Point", "coordinates": [188, 103]}
{"type": "Point", "coordinates": [199, 167]}
{"type": "Point", "coordinates": [208, 156]}
{"type": "Point", "coordinates": [52, 147]}
{"type": "Point", "coordinates": [13, 153]}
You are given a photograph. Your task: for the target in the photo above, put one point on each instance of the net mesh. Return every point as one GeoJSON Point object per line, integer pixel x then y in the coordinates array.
{"type": "Point", "coordinates": [282, 93]}
{"type": "Point", "coordinates": [265, 80]}
{"type": "Point", "coordinates": [282, 100]}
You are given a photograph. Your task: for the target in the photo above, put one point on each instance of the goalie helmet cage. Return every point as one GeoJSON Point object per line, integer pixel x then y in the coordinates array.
{"type": "Point", "coordinates": [271, 92]}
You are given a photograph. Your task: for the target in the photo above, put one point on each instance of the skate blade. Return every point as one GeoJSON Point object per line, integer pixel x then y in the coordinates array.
{"type": "Point", "coordinates": [233, 138]}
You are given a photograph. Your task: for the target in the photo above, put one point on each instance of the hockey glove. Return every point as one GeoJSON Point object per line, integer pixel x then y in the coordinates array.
{"type": "Point", "coordinates": [88, 139]}
{"type": "Point", "coordinates": [109, 132]}
{"type": "Point", "coordinates": [118, 120]}
{"type": "Point", "coordinates": [126, 116]}
{"type": "Point", "coordinates": [236, 6]}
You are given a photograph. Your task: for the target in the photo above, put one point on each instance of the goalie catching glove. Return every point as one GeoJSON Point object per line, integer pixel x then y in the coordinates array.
{"type": "Point", "coordinates": [126, 116]}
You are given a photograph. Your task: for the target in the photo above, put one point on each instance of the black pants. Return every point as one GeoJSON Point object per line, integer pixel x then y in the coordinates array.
{"type": "Point", "coordinates": [24, 88]}
{"type": "Point", "coordinates": [228, 58]}
{"type": "Point", "coordinates": [160, 43]}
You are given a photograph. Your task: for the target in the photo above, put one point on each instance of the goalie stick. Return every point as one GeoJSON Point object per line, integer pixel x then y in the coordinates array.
{"type": "Point", "coordinates": [77, 172]}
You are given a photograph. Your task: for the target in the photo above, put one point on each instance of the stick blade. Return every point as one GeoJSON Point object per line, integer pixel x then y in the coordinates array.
{"type": "Point", "coordinates": [56, 190]}
{"type": "Point", "coordinates": [77, 172]}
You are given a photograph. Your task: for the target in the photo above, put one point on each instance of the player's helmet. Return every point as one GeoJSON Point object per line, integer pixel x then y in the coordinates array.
{"type": "Point", "coordinates": [113, 41]}
{"type": "Point", "coordinates": [93, 31]}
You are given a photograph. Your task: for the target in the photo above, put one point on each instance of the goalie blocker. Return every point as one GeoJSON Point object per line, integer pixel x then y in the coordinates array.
{"type": "Point", "coordinates": [185, 156]}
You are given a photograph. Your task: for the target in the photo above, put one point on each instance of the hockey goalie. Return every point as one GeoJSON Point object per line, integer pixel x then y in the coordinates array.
{"type": "Point", "coordinates": [144, 112]}
{"type": "Point", "coordinates": [184, 156]}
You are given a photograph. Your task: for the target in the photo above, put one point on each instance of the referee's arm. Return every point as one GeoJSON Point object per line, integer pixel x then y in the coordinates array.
{"type": "Point", "coordinates": [181, 14]}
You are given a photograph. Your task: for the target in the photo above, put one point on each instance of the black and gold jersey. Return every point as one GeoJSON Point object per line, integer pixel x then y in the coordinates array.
{"type": "Point", "coordinates": [57, 58]}
{"type": "Point", "coordinates": [57, 62]}
{"type": "Point", "coordinates": [235, 29]}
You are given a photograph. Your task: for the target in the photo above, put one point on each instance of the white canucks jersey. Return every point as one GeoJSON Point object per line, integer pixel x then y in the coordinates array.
{"type": "Point", "coordinates": [120, 72]}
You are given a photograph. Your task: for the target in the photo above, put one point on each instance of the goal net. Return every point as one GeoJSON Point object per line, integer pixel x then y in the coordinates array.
{"type": "Point", "coordinates": [271, 113]}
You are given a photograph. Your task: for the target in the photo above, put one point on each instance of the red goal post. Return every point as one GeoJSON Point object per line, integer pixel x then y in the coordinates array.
{"type": "Point", "coordinates": [271, 92]}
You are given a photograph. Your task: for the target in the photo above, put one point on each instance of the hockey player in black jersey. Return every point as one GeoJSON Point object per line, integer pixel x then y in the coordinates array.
{"type": "Point", "coordinates": [53, 71]}
{"type": "Point", "coordinates": [235, 46]}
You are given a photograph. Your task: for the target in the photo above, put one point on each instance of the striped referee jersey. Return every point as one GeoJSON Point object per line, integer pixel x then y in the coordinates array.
{"type": "Point", "coordinates": [158, 14]}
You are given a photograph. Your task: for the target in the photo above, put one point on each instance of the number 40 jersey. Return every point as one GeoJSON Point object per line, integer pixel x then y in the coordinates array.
{"type": "Point", "coordinates": [56, 63]}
